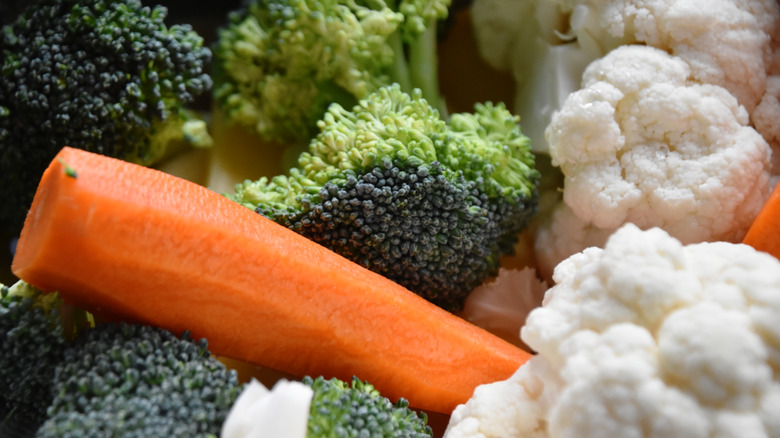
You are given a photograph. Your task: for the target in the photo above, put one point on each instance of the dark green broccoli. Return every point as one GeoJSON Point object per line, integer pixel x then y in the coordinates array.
{"type": "Point", "coordinates": [125, 380]}
{"type": "Point", "coordinates": [32, 343]}
{"type": "Point", "coordinates": [280, 63]}
{"type": "Point", "coordinates": [339, 409]}
{"type": "Point", "coordinates": [430, 204]}
{"type": "Point", "coordinates": [101, 75]}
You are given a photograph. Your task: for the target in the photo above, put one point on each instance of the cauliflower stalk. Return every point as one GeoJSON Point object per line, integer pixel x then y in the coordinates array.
{"type": "Point", "coordinates": [512, 33]}
{"type": "Point", "coordinates": [646, 337]}
{"type": "Point", "coordinates": [643, 142]}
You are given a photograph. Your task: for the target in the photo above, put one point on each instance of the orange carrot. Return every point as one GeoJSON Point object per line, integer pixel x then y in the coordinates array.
{"type": "Point", "coordinates": [129, 242]}
{"type": "Point", "coordinates": [764, 233]}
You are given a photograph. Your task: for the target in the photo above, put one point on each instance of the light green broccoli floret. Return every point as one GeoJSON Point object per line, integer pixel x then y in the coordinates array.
{"type": "Point", "coordinates": [341, 409]}
{"type": "Point", "coordinates": [280, 63]}
{"type": "Point", "coordinates": [428, 203]}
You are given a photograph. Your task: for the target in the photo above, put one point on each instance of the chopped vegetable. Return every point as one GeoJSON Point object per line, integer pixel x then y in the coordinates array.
{"type": "Point", "coordinates": [643, 142]}
{"type": "Point", "coordinates": [104, 76]}
{"type": "Point", "coordinates": [280, 63]}
{"type": "Point", "coordinates": [322, 408]}
{"type": "Point", "coordinates": [282, 411]}
{"type": "Point", "coordinates": [764, 233]}
{"type": "Point", "coordinates": [546, 44]}
{"type": "Point", "coordinates": [644, 338]}
{"type": "Point", "coordinates": [388, 184]}
{"type": "Point", "coordinates": [125, 381]}
{"type": "Point", "coordinates": [133, 243]}
{"type": "Point", "coordinates": [360, 410]}
{"type": "Point", "coordinates": [32, 341]}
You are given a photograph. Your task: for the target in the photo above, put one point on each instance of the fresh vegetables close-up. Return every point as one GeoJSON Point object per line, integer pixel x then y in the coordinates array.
{"type": "Point", "coordinates": [395, 218]}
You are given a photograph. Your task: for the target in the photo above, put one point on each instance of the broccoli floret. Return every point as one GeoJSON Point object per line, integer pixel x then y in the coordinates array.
{"type": "Point", "coordinates": [128, 380]}
{"type": "Point", "coordinates": [32, 343]}
{"type": "Point", "coordinates": [339, 409]}
{"type": "Point", "coordinates": [430, 204]}
{"type": "Point", "coordinates": [101, 75]}
{"type": "Point", "coordinates": [280, 63]}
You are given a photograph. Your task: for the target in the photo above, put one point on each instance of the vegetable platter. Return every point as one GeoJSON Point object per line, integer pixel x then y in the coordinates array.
{"type": "Point", "coordinates": [399, 218]}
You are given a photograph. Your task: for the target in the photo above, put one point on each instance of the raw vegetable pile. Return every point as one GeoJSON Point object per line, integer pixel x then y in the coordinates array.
{"type": "Point", "coordinates": [492, 218]}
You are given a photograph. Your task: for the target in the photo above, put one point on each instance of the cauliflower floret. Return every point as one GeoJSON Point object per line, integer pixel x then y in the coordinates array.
{"type": "Point", "coordinates": [730, 43]}
{"type": "Point", "coordinates": [562, 235]}
{"type": "Point", "coordinates": [725, 42]}
{"type": "Point", "coordinates": [644, 338]}
{"type": "Point", "coordinates": [497, 33]}
{"type": "Point", "coordinates": [259, 412]}
{"type": "Point", "coordinates": [509, 33]}
{"type": "Point", "coordinates": [641, 143]}
{"type": "Point", "coordinates": [766, 119]}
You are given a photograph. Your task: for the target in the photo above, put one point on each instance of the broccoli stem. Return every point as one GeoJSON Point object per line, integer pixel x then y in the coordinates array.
{"type": "Point", "coordinates": [424, 71]}
{"type": "Point", "coordinates": [400, 69]}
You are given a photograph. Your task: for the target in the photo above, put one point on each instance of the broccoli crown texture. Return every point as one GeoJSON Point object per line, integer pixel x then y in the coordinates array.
{"type": "Point", "coordinates": [339, 409]}
{"type": "Point", "coordinates": [124, 380]}
{"type": "Point", "coordinates": [105, 76]}
{"type": "Point", "coordinates": [280, 63]}
{"type": "Point", "coordinates": [430, 204]}
{"type": "Point", "coordinates": [32, 343]}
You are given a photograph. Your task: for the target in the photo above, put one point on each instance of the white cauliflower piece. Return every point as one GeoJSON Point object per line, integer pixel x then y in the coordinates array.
{"type": "Point", "coordinates": [497, 33]}
{"type": "Point", "coordinates": [546, 44]}
{"type": "Point", "coordinates": [725, 42]}
{"type": "Point", "coordinates": [562, 235]}
{"type": "Point", "coordinates": [528, 39]}
{"type": "Point", "coordinates": [642, 143]}
{"type": "Point", "coordinates": [766, 119]}
{"type": "Point", "coordinates": [282, 411]}
{"type": "Point", "coordinates": [644, 338]}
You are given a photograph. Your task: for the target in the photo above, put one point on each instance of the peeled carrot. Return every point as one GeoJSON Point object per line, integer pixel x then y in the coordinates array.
{"type": "Point", "coordinates": [764, 233]}
{"type": "Point", "coordinates": [129, 242]}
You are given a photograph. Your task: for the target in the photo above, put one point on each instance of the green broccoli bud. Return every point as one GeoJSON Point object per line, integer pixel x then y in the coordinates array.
{"type": "Point", "coordinates": [430, 204]}
{"type": "Point", "coordinates": [127, 380]}
{"type": "Point", "coordinates": [279, 64]}
{"type": "Point", "coordinates": [339, 409]}
{"type": "Point", "coordinates": [32, 342]}
{"type": "Point", "coordinates": [104, 76]}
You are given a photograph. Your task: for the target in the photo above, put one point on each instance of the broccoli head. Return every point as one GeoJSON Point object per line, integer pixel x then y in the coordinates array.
{"type": "Point", "coordinates": [136, 380]}
{"type": "Point", "coordinates": [32, 343]}
{"type": "Point", "coordinates": [339, 409]}
{"type": "Point", "coordinates": [430, 204]}
{"type": "Point", "coordinates": [280, 63]}
{"type": "Point", "coordinates": [105, 76]}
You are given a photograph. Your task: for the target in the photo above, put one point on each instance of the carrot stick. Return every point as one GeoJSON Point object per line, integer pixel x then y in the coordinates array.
{"type": "Point", "coordinates": [764, 233]}
{"type": "Point", "coordinates": [129, 242]}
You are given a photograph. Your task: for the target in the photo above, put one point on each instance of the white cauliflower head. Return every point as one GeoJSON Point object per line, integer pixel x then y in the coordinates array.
{"type": "Point", "coordinates": [725, 42]}
{"type": "Point", "coordinates": [766, 119]}
{"type": "Point", "coordinates": [562, 235]}
{"type": "Point", "coordinates": [642, 143]}
{"type": "Point", "coordinates": [645, 338]}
